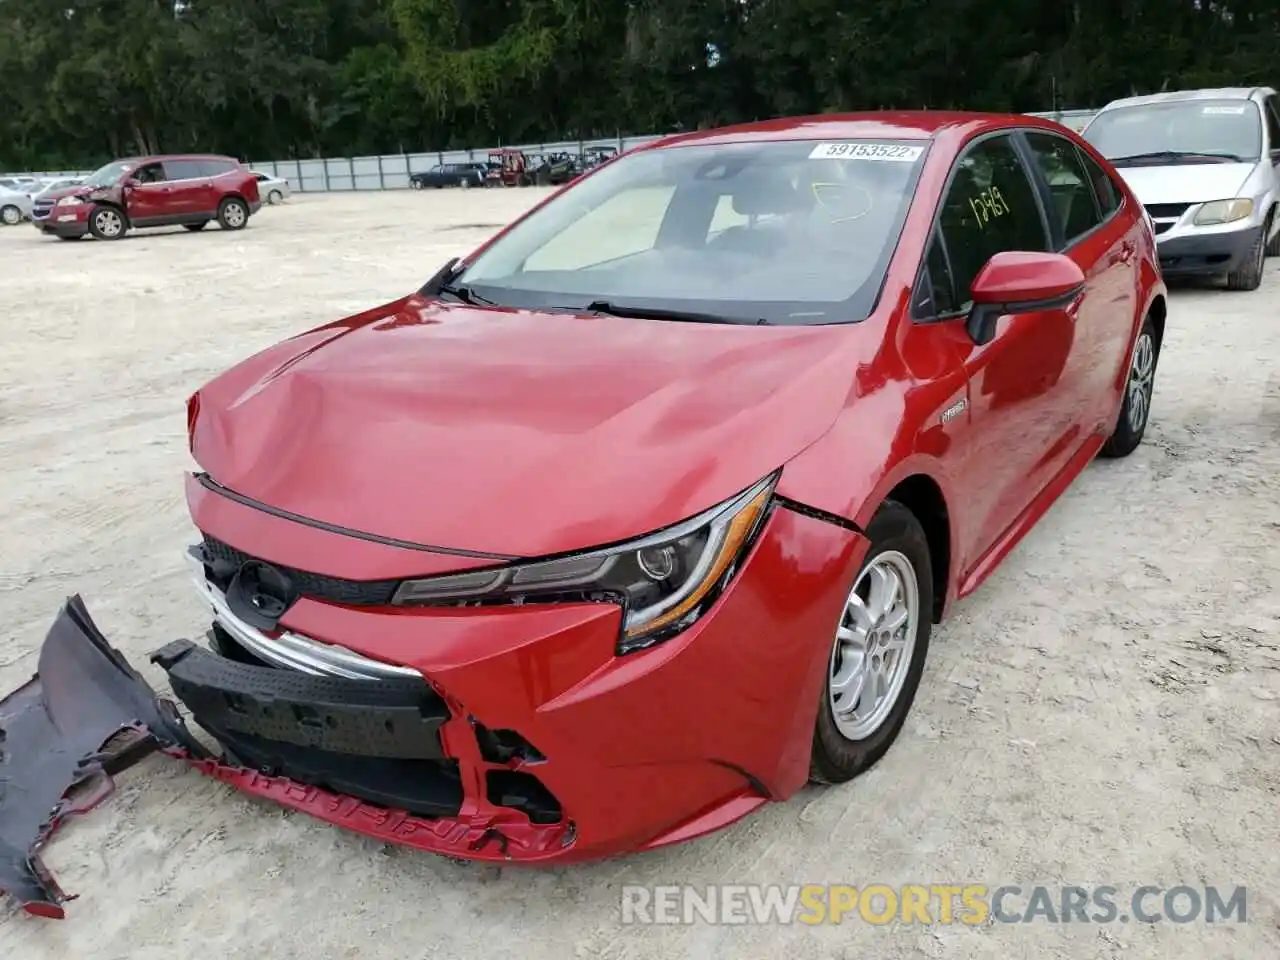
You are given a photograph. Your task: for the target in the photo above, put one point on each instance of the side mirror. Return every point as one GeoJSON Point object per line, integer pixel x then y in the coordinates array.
{"type": "Point", "coordinates": [1016, 281]}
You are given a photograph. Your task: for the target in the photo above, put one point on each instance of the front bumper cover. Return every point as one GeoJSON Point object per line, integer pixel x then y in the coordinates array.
{"type": "Point", "coordinates": [517, 737]}
{"type": "Point", "coordinates": [1206, 254]}
{"type": "Point", "coordinates": [83, 718]}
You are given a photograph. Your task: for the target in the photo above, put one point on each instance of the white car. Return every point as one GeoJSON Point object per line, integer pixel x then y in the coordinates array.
{"type": "Point", "coordinates": [15, 207]}
{"type": "Point", "coordinates": [50, 184]}
{"type": "Point", "coordinates": [1206, 165]}
{"type": "Point", "coordinates": [272, 189]}
{"type": "Point", "coordinates": [24, 184]}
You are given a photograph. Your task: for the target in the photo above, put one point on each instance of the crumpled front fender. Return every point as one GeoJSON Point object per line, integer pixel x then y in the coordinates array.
{"type": "Point", "coordinates": [84, 717]}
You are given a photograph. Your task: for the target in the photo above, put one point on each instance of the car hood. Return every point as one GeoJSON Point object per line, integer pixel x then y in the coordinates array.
{"type": "Point", "coordinates": [1186, 183]}
{"type": "Point", "coordinates": [515, 432]}
{"type": "Point", "coordinates": [78, 191]}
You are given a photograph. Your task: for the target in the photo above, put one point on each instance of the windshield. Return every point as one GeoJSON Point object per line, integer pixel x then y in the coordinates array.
{"type": "Point", "coordinates": [1200, 130]}
{"type": "Point", "coordinates": [790, 232]}
{"type": "Point", "coordinates": [108, 175]}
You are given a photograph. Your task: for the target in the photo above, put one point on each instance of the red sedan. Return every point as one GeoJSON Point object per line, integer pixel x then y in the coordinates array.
{"type": "Point", "coordinates": [641, 516]}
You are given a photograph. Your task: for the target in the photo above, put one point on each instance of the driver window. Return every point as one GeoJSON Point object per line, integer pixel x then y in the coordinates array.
{"type": "Point", "coordinates": [990, 207]}
{"type": "Point", "coordinates": [149, 173]}
{"type": "Point", "coordinates": [626, 223]}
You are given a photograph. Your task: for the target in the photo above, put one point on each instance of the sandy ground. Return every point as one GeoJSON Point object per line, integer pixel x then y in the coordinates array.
{"type": "Point", "coordinates": [1104, 711]}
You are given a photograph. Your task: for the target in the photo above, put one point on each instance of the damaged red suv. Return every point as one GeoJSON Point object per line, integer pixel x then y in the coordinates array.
{"type": "Point", "coordinates": [188, 191]}
{"type": "Point", "coordinates": [640, 516]}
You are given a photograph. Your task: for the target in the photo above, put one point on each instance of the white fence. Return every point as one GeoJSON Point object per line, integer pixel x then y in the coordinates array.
{"type": "Point", "coordinates": [391, 171]}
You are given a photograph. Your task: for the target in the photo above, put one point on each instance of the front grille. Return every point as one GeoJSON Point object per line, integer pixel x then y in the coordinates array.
{"type": "Point", "coordinates": [1167, 210]}
{"type": "Point", "coordinates": [316, 586]}
{"type": "Point", "coordinates": [41, 209]}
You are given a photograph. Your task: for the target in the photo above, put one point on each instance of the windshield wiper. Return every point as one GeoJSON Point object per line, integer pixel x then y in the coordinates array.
{"type": "Point", "coordinates": [442, 282]}
{"type": "Point", "coordinates": [1175, 155]}
{"type": "Point", "coordinates": [657, 313]}
{"type": "Point", "coordinates": [464, 293]}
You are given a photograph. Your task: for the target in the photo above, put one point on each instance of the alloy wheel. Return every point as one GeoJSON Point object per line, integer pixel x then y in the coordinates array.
{"type": "Point", "coordinates": [1141, 381]}
{"type": "Point", "coordinates": [234, 215]}
{"type": "Point", "coordinates": [109, 223]}
{"type": "Point", "coordinates": [874, 645]}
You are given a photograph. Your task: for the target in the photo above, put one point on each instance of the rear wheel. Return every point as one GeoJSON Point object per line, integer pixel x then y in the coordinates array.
{"type": "Point", "coordinates": [107, 223]}
{"type": "Point", "coordinates": [196, 227]}
{"type": "Point", "coordinates": [1135, 410]}
{"type": "Point", "coordinates": [10, 215]}
{"type": "Point", "coordinates": [415, 184]}
{"type": "Point", "coordinates": [1248, 276]}
{"type": "Point", "coordinates": [878, 652]}
{"type": "Point", "coordinates": [465, 184]}
{"type": "Point", "coordinates": [232, 214]}
{"type": "Point", "coordinates": [274, 197]}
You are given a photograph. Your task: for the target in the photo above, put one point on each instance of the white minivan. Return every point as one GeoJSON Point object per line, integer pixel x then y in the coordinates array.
{"type": "Point", "coordinates": [1206, 165]}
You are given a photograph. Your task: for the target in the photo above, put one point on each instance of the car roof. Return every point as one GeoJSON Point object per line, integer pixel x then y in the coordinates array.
{"type": "Point", "coordinates": [1182, 96]}
{"type": "Point", "coordinates": [893, 125]}
{"type": "Point", "coordinates": [159, 157]}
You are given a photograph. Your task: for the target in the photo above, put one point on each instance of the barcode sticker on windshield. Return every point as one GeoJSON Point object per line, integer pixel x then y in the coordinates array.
{"type": "Point", "coordinates": [1224, 110]}
{"type": "Point", "coordinates": [893, 152]}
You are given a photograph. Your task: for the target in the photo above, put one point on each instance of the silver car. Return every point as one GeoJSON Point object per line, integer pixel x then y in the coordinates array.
{"type": "Point", "coordinates": [272, 189]}
{"type": "Point", "coordinates": [1206, 165]}
{"type": "Point", "coordinates": [14, 207]}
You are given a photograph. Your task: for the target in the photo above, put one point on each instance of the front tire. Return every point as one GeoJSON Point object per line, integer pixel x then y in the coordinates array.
{"type": "Point", "coordinates": [1248, 276]}
{"type": "Point", "coordinates": [1273, 247]}
{"type": "Point", "coordinates": [878, 652]}
{"type": "Point", "coordinates": [1135, 410]}
{"type": "Point", "coordinates": [10, 215]}
{"type": "Point", "coordinates": [233, 214]}
{"type": "Point", "coordinates": [107, 223]}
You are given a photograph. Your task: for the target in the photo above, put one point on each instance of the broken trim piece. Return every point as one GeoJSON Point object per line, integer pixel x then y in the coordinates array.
{"type": "Point", "coordinates": [85, 716]}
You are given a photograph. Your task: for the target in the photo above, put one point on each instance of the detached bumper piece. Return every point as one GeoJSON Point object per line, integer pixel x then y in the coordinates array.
{"type": "Point", "coordinates": [84, 717]}
{"type": "Point", "coordinates": [377, 741]}
{"type": "Point", "coordinates": [389, 758]}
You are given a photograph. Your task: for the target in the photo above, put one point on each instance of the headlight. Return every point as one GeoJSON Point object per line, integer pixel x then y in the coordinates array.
{"type": "Point", "coordinates": [1223, 211]}
{"type": "Point", "coordinates": [69, 202]}
{"type": "Point", "coordinates": [663, 581]}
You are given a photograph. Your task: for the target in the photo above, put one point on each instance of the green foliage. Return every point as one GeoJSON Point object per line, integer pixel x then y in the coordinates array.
{"type": "Point", "coordinates": [82, 81]}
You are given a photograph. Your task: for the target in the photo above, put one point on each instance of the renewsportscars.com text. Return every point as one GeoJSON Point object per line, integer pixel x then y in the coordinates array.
{"type": "Point", "coordinates": [969, 903]}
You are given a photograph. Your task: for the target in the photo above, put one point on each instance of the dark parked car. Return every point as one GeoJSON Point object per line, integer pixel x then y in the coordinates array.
{"type": "Point", "coordinates": [449, 175]}
{"type": "Point", "coordinates": [556, 168]}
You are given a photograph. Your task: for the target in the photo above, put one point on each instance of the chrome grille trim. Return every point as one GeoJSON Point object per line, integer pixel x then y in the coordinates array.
{"type": "Point", "coordinates": [293, 651]}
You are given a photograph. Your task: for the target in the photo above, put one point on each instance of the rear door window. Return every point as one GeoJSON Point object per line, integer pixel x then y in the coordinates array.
{"type": "Point", "coordinates": [184, 170]}
{"type": "Point", "coordinates": [216, 168]}
{"type": "Point", "coordinates": [1104, 187]}
{"type": "Point", "coordinates": [1074, 207]}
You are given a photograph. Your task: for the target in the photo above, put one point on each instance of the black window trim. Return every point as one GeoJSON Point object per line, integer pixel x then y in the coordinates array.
{"type": "Point", "coordinates": [935, 227]}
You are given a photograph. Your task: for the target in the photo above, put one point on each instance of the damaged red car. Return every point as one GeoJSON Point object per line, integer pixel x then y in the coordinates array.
{"type": "Point", "coordinates": [640, 516]}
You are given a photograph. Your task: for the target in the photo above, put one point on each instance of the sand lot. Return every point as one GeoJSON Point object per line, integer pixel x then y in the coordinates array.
{"type": "Point", "coordinates": [1106, 710]}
